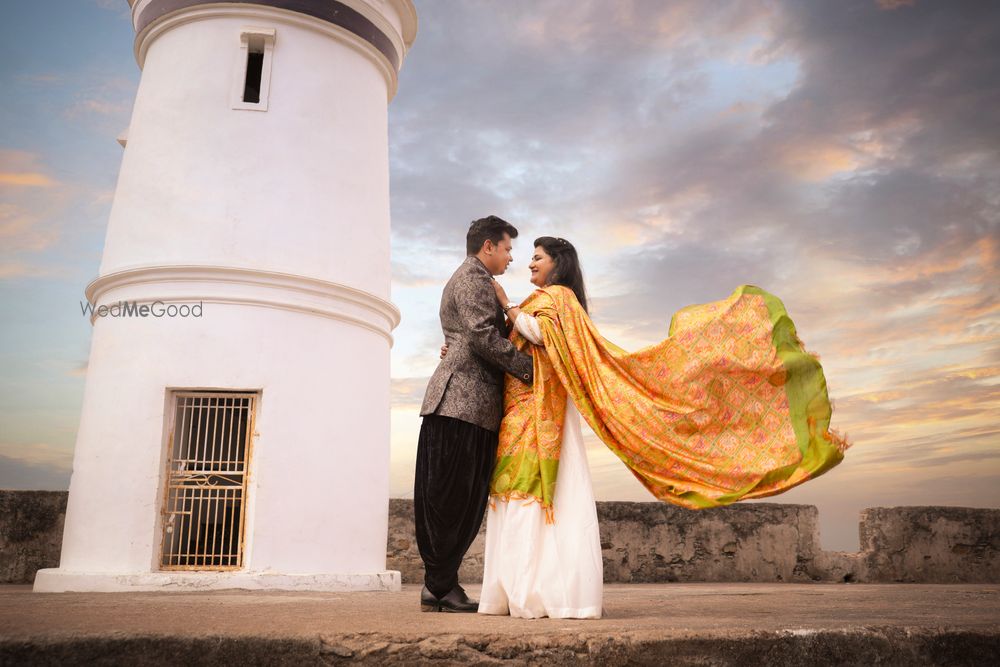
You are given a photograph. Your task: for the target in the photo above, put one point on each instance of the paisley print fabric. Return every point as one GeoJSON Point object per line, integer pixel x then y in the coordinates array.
{"type": "Point", "coordinates": [730, 406]}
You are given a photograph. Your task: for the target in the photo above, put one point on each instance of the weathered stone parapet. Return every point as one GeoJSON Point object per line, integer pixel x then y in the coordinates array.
{"type": "Point", "coordinates": [31, 528]}
{"type": "Point", "coordinates": [931, 544]}
{"type": "Point", "coordinates": [760, 542]}
{"type": "Point", "coordinates": [655, 543]}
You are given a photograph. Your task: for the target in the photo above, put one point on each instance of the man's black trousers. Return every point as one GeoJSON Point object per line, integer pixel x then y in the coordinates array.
{"type": "Point", "coordinates": [455, 460]}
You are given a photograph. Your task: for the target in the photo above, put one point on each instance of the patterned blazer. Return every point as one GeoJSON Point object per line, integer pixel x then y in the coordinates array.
{"type": "Point", "coordinates": [468, 383]}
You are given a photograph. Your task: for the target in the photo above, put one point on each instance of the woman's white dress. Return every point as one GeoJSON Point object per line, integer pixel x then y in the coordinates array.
{"type": "Point", "coordinates": [534, 569]}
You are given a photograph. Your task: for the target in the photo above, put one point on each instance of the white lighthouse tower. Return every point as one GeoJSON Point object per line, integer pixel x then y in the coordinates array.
{"type": "Point", "coordinates": [235, 424]}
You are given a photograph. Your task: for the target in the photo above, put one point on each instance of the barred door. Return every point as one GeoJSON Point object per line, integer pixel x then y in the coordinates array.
{"type": "Point", "coordinates": [205, 496]}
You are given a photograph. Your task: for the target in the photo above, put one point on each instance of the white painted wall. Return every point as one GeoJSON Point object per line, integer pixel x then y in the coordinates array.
{"type": "Point", "coordinates": [302, 188]}
{"type": "Point", "coordinates": [319, 482]}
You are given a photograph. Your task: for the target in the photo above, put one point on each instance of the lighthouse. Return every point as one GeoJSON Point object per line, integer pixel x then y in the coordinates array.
{"type": "Point", "coordinates": [235, 422]}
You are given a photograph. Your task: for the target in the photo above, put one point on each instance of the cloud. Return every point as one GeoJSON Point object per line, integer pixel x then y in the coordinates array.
{"type": "Point", "coordinates": [45, 78]}
{"type": "Point", "coordinates": [19, 474]}
{"type": "Point", "coordinates": [101, 107]}
{"type": "Point", "coordinates": [25, 179]}
{"type": "Point", "coordinates": [894, 4]}
{"type": "Point", "coordinates": [891, 166]}
{"type": "Point", "coordinates": [816, 161]}
{"type": "Point", "coordinates": [840, 155]}
{"type": "Point", "coordinates": [19, 169]}
{"type": "Point", "coordinates": [422, 270]}
{"type": "Point", "coordinates": [103, 103]}
{"type": "Point", "coordinates": [33, 200]}
{"type": "Point", "coordinates": [122, 9]}
{"type": "Point", "coordinates": [408, 393]}
{"type": "Point", "coordinates": [44, 219]}
{"type": "Point", "coordinates": [38, 454]}
{"type": "Point", "coordinates": [528, 117]}
{"type": "Point", "coordinates": [835, 154]}
{"type": "Point", "coordinates": [18, 270]}
{"type": "Point", "coordinates": [906, 400]}
{"type": "Point", "coordinates": [22, 230]}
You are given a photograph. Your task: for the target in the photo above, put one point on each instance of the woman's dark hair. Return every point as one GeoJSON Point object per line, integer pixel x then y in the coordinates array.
{"type": "Point", "coordinates": [490, 228]}
{"type": "Point", "coordinates": [567, 270]}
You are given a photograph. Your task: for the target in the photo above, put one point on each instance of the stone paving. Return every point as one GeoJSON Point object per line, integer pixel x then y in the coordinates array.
{"type": "Point", "coordinates": [683, 624]}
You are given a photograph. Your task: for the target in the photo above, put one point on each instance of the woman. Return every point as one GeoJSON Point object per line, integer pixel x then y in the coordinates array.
{"type": "Point", "coordinates": [533, 566]}
{"type": "Point", "coordinates": [729, 407]}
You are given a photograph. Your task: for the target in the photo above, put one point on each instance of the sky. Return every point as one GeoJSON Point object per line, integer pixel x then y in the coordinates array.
{"type": "Point", "coordinates": [843, 155]}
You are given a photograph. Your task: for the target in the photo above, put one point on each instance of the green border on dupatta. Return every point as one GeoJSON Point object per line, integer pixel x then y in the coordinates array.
{"type": "Point", "coordinates": [805, 388]}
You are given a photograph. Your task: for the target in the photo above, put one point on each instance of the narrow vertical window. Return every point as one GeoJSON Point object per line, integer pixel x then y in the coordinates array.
{"type": "Point", "coordinates": [251, 85]}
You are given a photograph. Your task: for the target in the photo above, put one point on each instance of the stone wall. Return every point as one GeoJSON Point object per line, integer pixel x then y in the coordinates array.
{"type": "Point", "coordinates": [760, 542]}
{"type": "Point", "coordinates": [931, 544]}
{"type": "Point", "coordinates": [655, 542]}
{"type": "Point", "coordinates": [31, 527]}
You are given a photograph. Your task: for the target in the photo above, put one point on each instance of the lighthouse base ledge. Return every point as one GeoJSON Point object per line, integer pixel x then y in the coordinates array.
{"type": "Point", "coordinates": [57, 580]}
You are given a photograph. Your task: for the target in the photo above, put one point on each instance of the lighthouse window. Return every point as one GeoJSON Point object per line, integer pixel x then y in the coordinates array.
{"type": "Point", "coordinates": [251, 87]}
{"type": "Point", "coordinates": [252, 80]}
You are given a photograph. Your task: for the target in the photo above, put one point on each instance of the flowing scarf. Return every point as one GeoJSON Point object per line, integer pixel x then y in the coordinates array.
{"type": "Point", "coordinates": [729, 407]}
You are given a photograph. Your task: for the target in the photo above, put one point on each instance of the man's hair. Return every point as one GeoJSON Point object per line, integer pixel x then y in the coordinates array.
{"type": "Point", "coordinates": [490, 228]}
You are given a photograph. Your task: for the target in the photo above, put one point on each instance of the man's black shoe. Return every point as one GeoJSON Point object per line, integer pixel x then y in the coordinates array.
{"type": "Point", "coordinates": [429, 601]}
{"type": "Point", "coordinates": [455, 601]}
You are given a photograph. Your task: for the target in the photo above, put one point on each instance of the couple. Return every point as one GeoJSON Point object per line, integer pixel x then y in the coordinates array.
{"type": "Point", "coordinates": [728, 407]}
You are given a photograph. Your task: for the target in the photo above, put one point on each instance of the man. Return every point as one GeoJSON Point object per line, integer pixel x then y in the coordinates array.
{"type": "Point", "coordinates": [461, 414]}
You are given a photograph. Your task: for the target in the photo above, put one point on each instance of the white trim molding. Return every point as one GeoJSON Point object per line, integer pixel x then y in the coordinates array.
{"type": "Point", "coordinates": [247, 287]}
{"type": "Point", "coordinates": [57, 580]}
{"type": "Point", "coordinates": [267, 14]}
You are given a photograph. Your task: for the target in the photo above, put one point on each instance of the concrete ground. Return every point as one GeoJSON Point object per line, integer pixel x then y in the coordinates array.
{"type": "Point", "coordinates": [683, 624]}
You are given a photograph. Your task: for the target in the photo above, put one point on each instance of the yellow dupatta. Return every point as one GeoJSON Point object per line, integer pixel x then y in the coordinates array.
{"type": "Point", "coordinates": [729, 407]}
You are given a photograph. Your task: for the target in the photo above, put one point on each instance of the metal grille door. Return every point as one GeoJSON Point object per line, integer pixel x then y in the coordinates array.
{"type": "Point", "coordinates": [205, 501]}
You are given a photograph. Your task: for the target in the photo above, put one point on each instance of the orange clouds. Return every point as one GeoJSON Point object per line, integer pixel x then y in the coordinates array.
{"type": "Point", "coordinates": [31, 199]}
{"type": "Point", "coordinates": [22, 230]}
{"type": "Point", "coordinates": [982, 254]}
{"type": "Point", "coordinates": [668, 216]}
{"type": "Point", "coordinates": [880, 396]}
{"type": "Point", "coordinates": [582, 24]}
{"type": "Point", "coordinates": [26, 179]}
{"type": "Point", "coordinates": [21, 169]}
{"type": "Point", "coordinates": [816, 161]}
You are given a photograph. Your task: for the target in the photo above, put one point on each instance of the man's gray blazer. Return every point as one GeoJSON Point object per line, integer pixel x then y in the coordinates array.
{"type": "Point", "coordinates": [468, 383]}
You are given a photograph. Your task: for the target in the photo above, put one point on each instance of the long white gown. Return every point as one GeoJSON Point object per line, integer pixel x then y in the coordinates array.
{"type": "Point", "coordinates": [534, 569]}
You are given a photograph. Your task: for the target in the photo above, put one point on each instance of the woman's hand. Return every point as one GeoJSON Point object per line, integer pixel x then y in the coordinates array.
{"type": "Point", "coordinates": [444, 350]}
{"type": "Point", "coordinates": [511, 312]}
{"type": "Point", "coordinates": [501, 294]}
